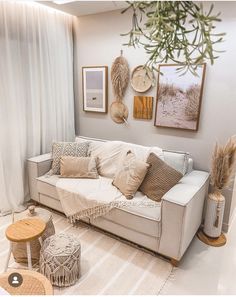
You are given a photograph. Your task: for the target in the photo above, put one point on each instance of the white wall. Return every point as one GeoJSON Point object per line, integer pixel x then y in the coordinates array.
{"type": "Point", "coordinates": [98, 42]}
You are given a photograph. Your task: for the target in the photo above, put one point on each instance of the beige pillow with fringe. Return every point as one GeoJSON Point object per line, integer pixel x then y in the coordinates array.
{"type": "Point", "coordinates": [79, 167]}
{"type": "Point", "coordinates": [130, 175]}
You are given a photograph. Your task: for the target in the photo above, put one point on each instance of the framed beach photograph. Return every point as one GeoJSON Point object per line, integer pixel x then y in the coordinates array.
{"type": "Point", "coordinates": [179, 97]}
{"type": "Point", "coordinates": [95, 82]}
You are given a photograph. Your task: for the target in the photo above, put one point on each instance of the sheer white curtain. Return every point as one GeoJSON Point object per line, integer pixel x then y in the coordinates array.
{"type": "Point", "coordinates": [36, 91]}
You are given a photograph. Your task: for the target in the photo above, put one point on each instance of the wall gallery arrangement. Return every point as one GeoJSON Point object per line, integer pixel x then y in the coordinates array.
{"type": "Point", "coordinates": [178, 101]}
{"type": "Point", "coordinates": [95, 87]}
{"type": "Point", "coordinates": [179, 97]}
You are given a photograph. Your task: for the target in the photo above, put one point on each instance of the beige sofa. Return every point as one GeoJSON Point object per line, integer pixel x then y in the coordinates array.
{"type": "Point", "coordinates": [166, 229]}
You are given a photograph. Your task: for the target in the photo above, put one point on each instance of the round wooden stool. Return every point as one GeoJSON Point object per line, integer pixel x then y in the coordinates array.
{"type": "Point", "coordinates": [24, 231]}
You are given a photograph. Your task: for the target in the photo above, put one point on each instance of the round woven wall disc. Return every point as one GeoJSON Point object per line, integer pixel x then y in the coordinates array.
{"type": "Point", "coordinates": [142, 79]}
{"type": "Point", "coordinates": [118, 112]}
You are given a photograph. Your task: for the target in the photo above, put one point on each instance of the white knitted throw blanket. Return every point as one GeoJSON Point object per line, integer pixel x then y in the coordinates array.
{"type": "Point", "coordinates": [82, 198]}
{"type": "Point", "coordinates": [92, 198]}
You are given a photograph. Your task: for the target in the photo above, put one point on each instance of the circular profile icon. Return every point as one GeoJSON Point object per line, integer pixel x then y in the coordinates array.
{"type": "Point", "coordinates": [15, 279]}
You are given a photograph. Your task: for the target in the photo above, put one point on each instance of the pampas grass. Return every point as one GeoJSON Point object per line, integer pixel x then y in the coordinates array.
{"type": "Point", "coordinates": [223, 165]}
{"type": "Point", "coordinates": [119, 77]}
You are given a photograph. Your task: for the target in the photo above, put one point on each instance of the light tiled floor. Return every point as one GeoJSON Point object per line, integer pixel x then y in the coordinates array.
{"type": "Point", "coordinates": [205, 269]}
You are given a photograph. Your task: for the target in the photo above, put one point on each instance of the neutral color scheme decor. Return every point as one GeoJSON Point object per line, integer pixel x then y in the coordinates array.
{"type": "Point", "coordinates": [34, 283]}
{"type": "Point", "coordinates": [120, 80]}
{"type": "Point", "coordinates": [140, 220]}
{"type": "Point", "coordinates": [79, 167]}
{"type": "Point", "coordinates": [199, 144]}
{"type": "Point", "coordinates": [36, 91]}
{"type": "Point", "coordinates": [130, 175]}
{"type": "Point", "coordinates": [179, 97]}
{"type": "Point", "coordinates": [106, 263]}
{"type": "Point", "coordinates": [25, 231]}
{"type": "Point", "coordinates": [181, 32]}
{"type": "Point", "coordinates": [120, 77]}
{"type": "Point", "coordinates": [160, 178]}
{"type": "Point", "coordinates": [60, 259]}
{"type": "Point", "coordinates": [223, 168]}
{"type": "Point", "coordinates": [95, 88]}
{"type": "Point", "coordinates": [60, 149]}
{"type": "Point", "coordinates": [143, 107]}
{"type": "Point", "coordinates": [142, 79]}
{"type": "Point", "coordinates": [19, 249]}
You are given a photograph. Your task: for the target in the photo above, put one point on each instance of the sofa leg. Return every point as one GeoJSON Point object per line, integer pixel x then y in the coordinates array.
{"type": "Point", "coordinates": [174, 262]}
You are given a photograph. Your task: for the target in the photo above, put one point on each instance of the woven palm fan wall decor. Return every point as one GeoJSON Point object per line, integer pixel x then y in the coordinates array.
{"type": "Point", "coordinates": [120, 80]}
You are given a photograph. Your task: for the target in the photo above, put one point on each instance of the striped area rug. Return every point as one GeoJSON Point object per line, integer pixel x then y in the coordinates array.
{"type": "Point", "coordinates": [108, 266]}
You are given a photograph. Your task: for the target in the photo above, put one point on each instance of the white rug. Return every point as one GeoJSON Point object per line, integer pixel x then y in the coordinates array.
{"type": "Point", "coordinates": [108, 266]}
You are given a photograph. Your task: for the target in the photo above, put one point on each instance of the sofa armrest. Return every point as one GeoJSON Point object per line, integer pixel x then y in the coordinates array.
{"type": "Point", "coordinates": [182, 209]}
{"type": "Point", "coordinates": [37, 166]}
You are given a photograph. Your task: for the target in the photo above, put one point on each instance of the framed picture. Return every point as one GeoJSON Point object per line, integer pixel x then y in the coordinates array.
{"type": "Point", "coordinates": [179, 97]}
{"type": "Point", "coordinates": [95, 88]}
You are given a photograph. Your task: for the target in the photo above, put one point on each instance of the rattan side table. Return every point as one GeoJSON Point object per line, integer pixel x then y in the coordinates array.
{"type": "Point", "coordinates": [24, 231]}
{"type": "Point", "coordinates": [19, 249]}
{"type": "Point", "coordinates": [34, 283]}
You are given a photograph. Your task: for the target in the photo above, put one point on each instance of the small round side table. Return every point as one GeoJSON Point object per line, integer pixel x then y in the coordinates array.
{"type": "Point", "coordinates": [19, 249]}
{"type": "Point", "coordinates": [24, 231]}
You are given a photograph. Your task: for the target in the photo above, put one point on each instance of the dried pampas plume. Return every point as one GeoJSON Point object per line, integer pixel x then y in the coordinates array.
{"type": "Point", "coordinates": [120, 77]}
{"type": "Point", "coordinates": [223, 164]}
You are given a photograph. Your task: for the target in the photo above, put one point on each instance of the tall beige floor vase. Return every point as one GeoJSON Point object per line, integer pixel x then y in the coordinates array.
{"type": "Point", "coordinates": [214, 215]}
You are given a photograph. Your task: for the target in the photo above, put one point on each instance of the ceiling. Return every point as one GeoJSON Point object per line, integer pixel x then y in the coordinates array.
{"type": "Point", "coordinates": [80, 8]}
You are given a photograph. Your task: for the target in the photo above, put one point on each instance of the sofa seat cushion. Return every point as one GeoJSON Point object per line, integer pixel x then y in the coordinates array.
{"type": "Point", "coordinates": [46, 185]}
{"type": "Point", "coordinates": [143, 215]}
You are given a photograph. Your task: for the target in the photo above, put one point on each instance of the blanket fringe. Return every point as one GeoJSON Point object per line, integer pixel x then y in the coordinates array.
{"type": "Point", "coordinates": [92, 213]}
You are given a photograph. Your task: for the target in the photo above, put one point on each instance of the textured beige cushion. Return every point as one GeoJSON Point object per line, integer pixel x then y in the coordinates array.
{"type": "Point", "coordinates": [60, 149]}
{"type": "Point", "coordinates": [130, 175]}
{"type": "Point", "coordinates": [79, 167]}
{"type": "Point", "coordinates": [159, 179]}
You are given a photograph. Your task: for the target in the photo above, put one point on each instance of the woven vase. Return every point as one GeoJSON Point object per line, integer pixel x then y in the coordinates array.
{"type": "Point", "coordinates": [214, 215]}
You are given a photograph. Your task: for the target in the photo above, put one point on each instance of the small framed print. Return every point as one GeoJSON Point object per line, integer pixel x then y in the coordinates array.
{"type": "Point", "coordinates": [95, 87]}
{"type": "Point", "coordinates": [179, 97]}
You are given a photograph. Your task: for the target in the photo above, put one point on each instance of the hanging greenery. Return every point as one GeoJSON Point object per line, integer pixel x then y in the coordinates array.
{"type": "Point", "coordinates": [174, 31]}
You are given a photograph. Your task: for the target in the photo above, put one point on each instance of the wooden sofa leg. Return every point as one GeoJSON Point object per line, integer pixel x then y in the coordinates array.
{"type": "Point", "coordinates": [174, 262]}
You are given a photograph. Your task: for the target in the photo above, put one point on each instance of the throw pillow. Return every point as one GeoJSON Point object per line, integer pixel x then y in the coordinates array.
{"type": "Point", "coordinates": [60, 149]}
{"type": "Point", "coordinates": [82, 167]}
{"type": "Point", "coordinates": [159, 179]}
{"type": "Point", "coordinates": [130, 175]}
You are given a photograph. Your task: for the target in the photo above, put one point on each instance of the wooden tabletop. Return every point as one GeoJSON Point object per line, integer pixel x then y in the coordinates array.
{"type": "Point", "coordinates": [33, 283]}
{"type": "Point", "coordinates": [25, 230]}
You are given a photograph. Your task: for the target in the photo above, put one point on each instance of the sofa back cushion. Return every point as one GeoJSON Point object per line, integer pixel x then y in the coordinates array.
{"type": "Point", "coordinates": [177, 160]}
{"type": "Point", "coordinates": [108, 154]}
{"type": "Point", "coordinates": [180, 161]}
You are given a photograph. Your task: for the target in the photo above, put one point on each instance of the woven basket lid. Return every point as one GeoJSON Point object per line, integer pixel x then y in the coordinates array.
{"type": "Point", "coordinates": [119, 112]}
